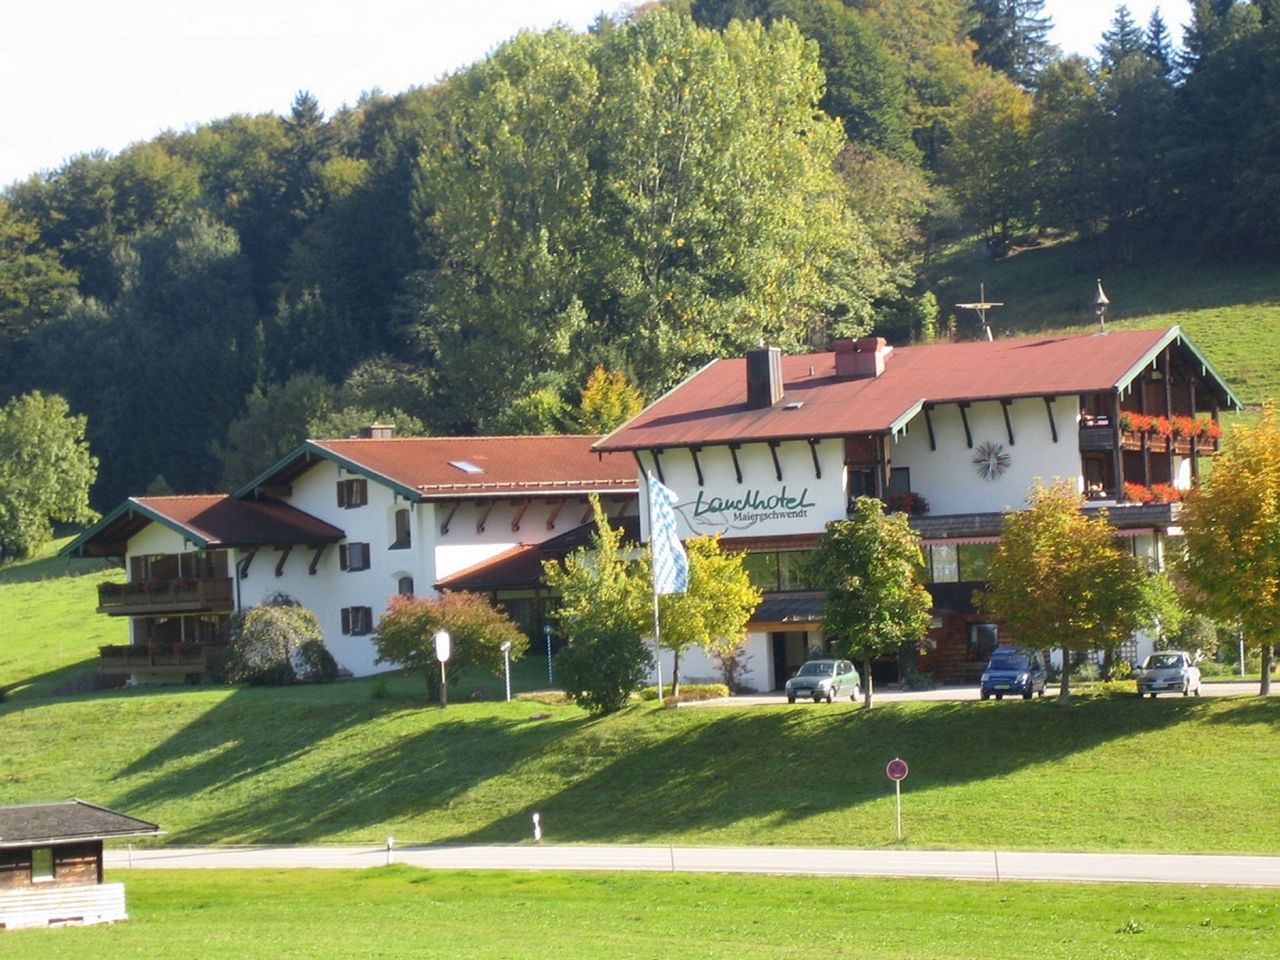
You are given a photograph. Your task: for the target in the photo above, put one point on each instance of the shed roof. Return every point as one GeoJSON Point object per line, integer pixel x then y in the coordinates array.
{"type": "Point", "coordinates": [31, 824]}
{"type": "Point", "coordinates": [450, 468]}
{"type": "Point", "coordinates": [206, 520]}
{"type": "Point", "coordinates": [710, 407]}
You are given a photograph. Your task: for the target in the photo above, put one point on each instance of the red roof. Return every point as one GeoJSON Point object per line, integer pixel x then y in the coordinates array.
{"type": "Point", "coordinates": [207, 519]}
{"type": "Point", "coordinates": [711, 407]}
{"type": "Point", "coordinates": [439, 467]}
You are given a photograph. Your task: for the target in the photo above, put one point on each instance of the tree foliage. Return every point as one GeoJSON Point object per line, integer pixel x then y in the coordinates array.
{"type": "Point", "coordinates": [608, 401]}
{"type": "Point", "coordinates": [477, 630]}
{"type": "Point", "coordinates": [603, 609]}
{"type": "Point", "coordinates": [275, 644]}
{"type": "Point", "coordinates": [46, 471]}
{"type": "Point", "coordinates": [1232, 529]}
{"type": "Point", "coordinates": [713, 612]}
{"type": "Point", "coordinates": [1057, 580]}
{"type": "Point", "coordinates": [876, 601]}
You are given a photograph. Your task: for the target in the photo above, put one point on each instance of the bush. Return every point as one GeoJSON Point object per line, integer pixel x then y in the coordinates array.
{"type": "Point", "coordinates": [689, 692]}
{"type": "Point", "coordinates": [599, 670]}
{"type": "Point", "coordinates": [276, 644]}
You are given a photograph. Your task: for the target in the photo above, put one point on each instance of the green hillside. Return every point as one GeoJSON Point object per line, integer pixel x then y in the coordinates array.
{"type": "Point", "coordinates": [341, 763]}
{"type": "Point", "coordinates": [51, 630]}
{"type": "Point", "coordinates": [1231, 309]}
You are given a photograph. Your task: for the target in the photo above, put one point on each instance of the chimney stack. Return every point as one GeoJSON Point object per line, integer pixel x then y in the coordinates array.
{"type": "Point", "coordinates": [861, 359]}
{"type": "Point", "coordinates": [764, 377]}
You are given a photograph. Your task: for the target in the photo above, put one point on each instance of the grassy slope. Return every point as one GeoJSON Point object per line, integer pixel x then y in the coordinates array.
{"type": "Point", "coordinates": [1230, 309]}
{"type": "Point", "coordinates": [51, 632]}
{"type": "Point", "coordinates": [399, 912]}
{"type": "Point", "coordinates": [335, 763]}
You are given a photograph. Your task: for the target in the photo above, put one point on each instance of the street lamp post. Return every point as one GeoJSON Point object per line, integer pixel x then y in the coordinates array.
{"type": "Point", "coordinates": [442, 654]}
{"type": "Point", "coordinates": [506, 666]}
{"type": "Point", "coordinates": [546, 633]}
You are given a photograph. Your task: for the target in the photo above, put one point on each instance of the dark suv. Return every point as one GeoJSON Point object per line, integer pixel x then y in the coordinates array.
{"type": "Point", "coordinates": [1012, 670]}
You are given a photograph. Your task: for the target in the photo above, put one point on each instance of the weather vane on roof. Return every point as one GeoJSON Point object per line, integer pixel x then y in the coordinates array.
{"type": "Point", "coordinates": [981, 307]}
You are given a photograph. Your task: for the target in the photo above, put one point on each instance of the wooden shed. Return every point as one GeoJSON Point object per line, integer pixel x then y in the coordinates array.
{"type": "Point", "coordinates": [51, 863]}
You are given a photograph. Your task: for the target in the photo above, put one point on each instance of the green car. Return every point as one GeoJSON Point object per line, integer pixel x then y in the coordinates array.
{"type": "Point", "coordinates": [824, 680]}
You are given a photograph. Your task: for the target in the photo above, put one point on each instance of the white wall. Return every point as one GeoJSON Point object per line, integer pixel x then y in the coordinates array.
{"type": "Point", "coordinates": [761, 505]}
{"type": "Point", "coordinates": [947, 477]}
{"type": "Point", "coordinates": [697, 667]}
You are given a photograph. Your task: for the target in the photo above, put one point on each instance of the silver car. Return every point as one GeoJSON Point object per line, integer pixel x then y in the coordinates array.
{"type": "Point", "coordinates": [1170, 671]}
{"type": "Point", "coordinates": [824, 680]}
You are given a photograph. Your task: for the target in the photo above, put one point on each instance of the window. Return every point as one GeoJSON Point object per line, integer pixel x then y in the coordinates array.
{"type": "Point", "coordinates": [41, 864]}
{"type": "Point", "coordinates": [782, 570]}
{"type": "Point", "coordinates": [353, 493]}
{"type": "Point", "coordinates": [944, 564]}
{"type": "Point", "coordinates": [983, 638]}
{"type": "Point", "coordinates": [404, 586]}
{"type": "Point", "coordinates": [973, 559]}
{"type": "Point", "coordinates": [403, 532]}
{"type": "Point", "coordinates": [357, 621]}
{"type": "Point", "coordinates": [900, 480]}
{"type": "Point", "coordinates": [353, 556]}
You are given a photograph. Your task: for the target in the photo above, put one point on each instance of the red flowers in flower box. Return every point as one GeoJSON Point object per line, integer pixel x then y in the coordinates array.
{"type": "Point", "coordinates": [1156, 493]}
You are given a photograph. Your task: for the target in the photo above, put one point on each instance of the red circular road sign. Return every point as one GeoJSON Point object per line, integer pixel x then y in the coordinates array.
{"type": "Point", "coordinates": [896, 769]}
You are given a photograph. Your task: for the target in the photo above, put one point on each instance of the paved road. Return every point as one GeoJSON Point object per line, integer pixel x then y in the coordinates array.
{"type": "Point", "coordinates": [953, 693]}
{"type": "Point", "coordinates": [962, 865]}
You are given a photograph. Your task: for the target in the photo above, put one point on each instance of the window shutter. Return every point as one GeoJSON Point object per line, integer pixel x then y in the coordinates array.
{"type": "Point", "coordinates": [361, 493]}
{"type": "Point", "coordinates": [342, 493]}
{"type": "Point", "coordinates": [364, 556]}
{"type": "Point", "coordinates": [346, 619]}
{"type": "Point", "coordinates": [344, 557]}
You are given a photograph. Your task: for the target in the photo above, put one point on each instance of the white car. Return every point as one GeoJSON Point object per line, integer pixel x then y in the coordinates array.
{"type": "Point", "coordinates": [1170, 671]}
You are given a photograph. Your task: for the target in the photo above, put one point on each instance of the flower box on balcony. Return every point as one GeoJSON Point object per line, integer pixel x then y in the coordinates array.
{"type": "Point", "coordinates": [1130, 440]}
{"type": "Point", "coordinates": [1157, 443]}
{"type": "Point", "coordinates": [1182, 446]}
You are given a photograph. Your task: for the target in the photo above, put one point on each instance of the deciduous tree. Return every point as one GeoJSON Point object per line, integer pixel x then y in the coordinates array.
{"type": "Point", "coordinates": [46, 471]}
{"type": "Point", "coordinates": [477, 630]}
{"type": "Point", "coordinates": [1232, 528]}
{"type": "Point", "coordinates": [1057, 579]}
{"type": "Point", "coordinates": [603, 610]}
{"type": "Point", "coordinates": [876, 600]}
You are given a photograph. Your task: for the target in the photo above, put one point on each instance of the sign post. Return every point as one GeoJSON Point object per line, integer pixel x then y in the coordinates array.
{"type": "Point", "coordinates": [443, 649]}
{"type": "Point", "coordinates": [896, 770]}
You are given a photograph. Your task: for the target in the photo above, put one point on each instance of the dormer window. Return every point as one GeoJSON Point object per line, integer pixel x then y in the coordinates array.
{"type": "Point", "coordinates": [353, 493]}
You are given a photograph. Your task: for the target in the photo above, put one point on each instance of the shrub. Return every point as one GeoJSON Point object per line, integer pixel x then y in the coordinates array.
{"type": "Point", "coordinates": [600, 669]}
{"type": "Point", "coordinates": [689, 692]}
{"type": "Point", "coordinates": [277, 643]}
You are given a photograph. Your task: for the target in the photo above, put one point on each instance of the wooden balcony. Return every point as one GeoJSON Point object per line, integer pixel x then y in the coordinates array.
{"type": "Point", "coordinates": [156, 597]}
{"type": "Point", "coordinates": [162, 658]}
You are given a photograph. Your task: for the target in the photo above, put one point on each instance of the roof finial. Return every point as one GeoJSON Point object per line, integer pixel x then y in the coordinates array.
{"type": "Point", "coordinates": [1100, 304]}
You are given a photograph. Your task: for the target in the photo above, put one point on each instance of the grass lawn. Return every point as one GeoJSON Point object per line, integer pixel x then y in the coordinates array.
{"type": "Point", "coordinates": [401, 912]}
{"type": "Point", "coordinates": [337, 763]}
{"type": "Point", "coordinates": [51, 633]}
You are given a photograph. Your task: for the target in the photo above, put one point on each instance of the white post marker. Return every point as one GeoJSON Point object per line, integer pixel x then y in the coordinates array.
{"type": "Point", "coordinates": [391, 845]}
{"type": "Point", "coordinates": [443, 649]}
{"type": "Point", "coordinates": [896, 770]}
{"type": "Point", "coordinates": [506, 666]}
{"type": "Point", "coordinates": [537, 827]}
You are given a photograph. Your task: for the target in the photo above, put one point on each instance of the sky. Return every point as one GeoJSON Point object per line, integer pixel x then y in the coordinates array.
{"type": "Point", "coordinates": [81, 75]}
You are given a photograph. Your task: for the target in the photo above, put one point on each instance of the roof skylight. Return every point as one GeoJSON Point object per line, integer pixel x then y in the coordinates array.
{"type": "Point", "coordinates": [466, 466]}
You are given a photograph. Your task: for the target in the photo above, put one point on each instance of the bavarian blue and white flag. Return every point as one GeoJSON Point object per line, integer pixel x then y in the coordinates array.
{"type": "Point", "coordinates": [670, 564]}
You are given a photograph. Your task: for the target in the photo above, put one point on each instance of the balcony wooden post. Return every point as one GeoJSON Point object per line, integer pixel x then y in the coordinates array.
{"type": "Point", "coordinates": [1117, 450]}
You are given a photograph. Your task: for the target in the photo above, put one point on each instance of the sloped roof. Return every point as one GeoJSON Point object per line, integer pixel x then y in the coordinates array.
{"type": "Point", "coordinates": [521, 565]}
{"type": "Point", "coordinates": [710, 407]}
{"type": "Point", "coordinates": [206, 520]}
{"type": "Point", "coordinates": [30, 824]}
{"type": "Point", "coordinates": [443, 468]}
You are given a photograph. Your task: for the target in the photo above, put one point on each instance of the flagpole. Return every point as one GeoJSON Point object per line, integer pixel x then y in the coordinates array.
{"type": "Point", "coordinates": [653, 583]}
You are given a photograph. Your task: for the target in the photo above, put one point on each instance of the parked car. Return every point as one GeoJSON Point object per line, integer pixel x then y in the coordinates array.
{"type": "Point", "coordinates": [824, 680]}
{"type": "Point", "coordinates": [1013, 670]}
{"type": "Point", "coordinates": [1170, 671]}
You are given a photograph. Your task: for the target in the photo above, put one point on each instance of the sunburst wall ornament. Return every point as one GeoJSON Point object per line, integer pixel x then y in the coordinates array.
{"type": "Point", "coordinates": [990, 460]}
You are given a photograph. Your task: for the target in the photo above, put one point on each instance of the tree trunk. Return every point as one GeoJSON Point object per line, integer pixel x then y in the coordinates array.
{"type": "Point", "coordinates": [1064, 688]}
{"type": "Point", "coordinates": [1265, 687]}
{"type": "Point", "coordinates": [675, 675]}
{"type": "Point", "coordinates": [866, 684]}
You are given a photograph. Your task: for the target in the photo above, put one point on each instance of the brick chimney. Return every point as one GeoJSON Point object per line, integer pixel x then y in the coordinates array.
{"type": "Point", "coordinates": [861, 359]}
{"type": "Point", "coordinates": [764, 377]}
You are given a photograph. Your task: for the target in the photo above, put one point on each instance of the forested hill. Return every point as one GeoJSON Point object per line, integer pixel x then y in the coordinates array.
{"type": "Point", "coordinates": [673, 186]}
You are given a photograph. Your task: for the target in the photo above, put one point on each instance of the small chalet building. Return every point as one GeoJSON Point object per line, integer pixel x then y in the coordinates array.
{"type": "Point", "coordinates": [766, 450]}
{"type": "Point", "coordinates": [341, 526]}
{"type": "Point", "coordinates": [51, 863]}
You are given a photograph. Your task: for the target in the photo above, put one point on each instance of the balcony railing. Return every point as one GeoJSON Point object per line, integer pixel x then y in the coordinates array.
{"type": "Point", "coordinates": [157, 657]}
{"type": "Point", "coordinates": [167, 596]}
